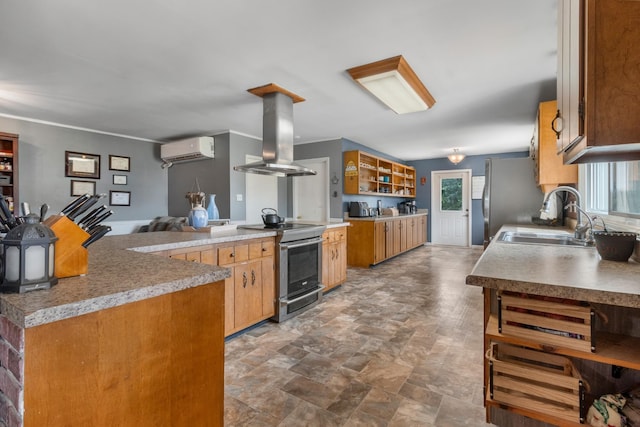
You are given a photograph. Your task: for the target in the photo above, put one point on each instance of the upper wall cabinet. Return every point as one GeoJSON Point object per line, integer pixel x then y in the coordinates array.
{"type": "Point", "coordinates": [549, 169]}
{"type": "Point", "coordinates": [598, 74]}
{"type": "Point", "coordinates": [371, 175]}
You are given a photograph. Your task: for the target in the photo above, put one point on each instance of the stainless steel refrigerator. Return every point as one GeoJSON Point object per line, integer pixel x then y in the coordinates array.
{"type": "Point", "coordinates": [511, 195]}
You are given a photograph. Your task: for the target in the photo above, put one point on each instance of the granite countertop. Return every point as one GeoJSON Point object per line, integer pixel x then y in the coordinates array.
{"type": "Point", "coordinates": [119, 272]}
{"type": "Point", "coordinates": [554, 270]}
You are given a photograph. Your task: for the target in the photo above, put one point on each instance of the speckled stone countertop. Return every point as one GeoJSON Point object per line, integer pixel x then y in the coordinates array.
{"type": "Point", "coordinates": [120, 272]}
{"type": "Point", "coordinates": [554, 270]}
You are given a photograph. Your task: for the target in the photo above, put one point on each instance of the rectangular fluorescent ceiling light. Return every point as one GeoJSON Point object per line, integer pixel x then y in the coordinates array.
{"type": "Point", "coordinates": [394, 83]}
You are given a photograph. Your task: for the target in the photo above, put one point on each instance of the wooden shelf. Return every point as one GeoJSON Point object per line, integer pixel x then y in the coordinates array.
{"type": "Point", "coordinates": [371, 175]}
{"type": "Point", "coordinates": [531, 414]}
{"type": "Point", "coordinates": [611, 349]}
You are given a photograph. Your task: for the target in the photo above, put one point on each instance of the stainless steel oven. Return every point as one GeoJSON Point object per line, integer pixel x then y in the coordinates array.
{"type": "Point", "coordinates": [298, 268]}
{"type": "Point", "coordinates": [300, 276]}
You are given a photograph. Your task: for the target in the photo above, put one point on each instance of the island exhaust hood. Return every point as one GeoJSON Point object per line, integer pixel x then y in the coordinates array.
{"type": "Point", "coordinates": [277, 134]}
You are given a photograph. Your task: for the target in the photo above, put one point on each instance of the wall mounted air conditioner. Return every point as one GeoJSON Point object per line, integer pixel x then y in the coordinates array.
{"type": "Point", "coordinates": [186, 150]}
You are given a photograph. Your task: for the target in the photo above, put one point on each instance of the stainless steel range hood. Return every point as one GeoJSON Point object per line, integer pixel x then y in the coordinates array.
{"type": "Point", "coordinates": [277, 134]}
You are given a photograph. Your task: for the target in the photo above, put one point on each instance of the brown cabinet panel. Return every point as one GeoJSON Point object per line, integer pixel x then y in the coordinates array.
{"type": "Point", "coordinates": [598, 94]}
{"type": "Point", "coordinates": [373, 241]}
{"type": "Point", "coordinates": [248, 293]}
{"type": "Point", "coordinates": [334, 257]}
{"type": "Point", "coordinates": [146, 363]}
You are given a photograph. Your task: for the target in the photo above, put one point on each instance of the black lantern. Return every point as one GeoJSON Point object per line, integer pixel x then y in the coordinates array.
{"type": "Point", "coordinates": [28, 257]}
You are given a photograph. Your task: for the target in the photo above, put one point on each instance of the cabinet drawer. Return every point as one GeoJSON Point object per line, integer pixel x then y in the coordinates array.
{"type": "Point", "coordinates": [546, 320]}
{"type": "Point", "coordinates": [538, 381]}
{"type": "Point", "coordinates": [232, 254]}
{"type": "Point", "coordinates": [261, 249]}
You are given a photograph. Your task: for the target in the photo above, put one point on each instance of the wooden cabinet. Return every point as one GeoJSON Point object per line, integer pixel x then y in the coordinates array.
{"type": "Point", "coordinates": [9, 170]}
{"type": "Point", "coordinates": [159, 361]}
{"type": "Point", "coordinates": [250, 292]}
{"type": "Point", "coordinates": [549, 169]}
{"type": "Point", "coordinates": [371, 175]}
{"type": "Point", "coordinates": [373, 241]}
{"type": "Point", "coordinates": [334, 257]}
{"type": "Point", "coordinates": [598, 94]}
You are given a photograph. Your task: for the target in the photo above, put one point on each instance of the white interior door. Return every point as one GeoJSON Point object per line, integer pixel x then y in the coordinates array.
{"type": "Point", "coordinates": [261, 192]}
{"type": "Point", "coordinates": [450, 207]}
{"type": "Point", "coordinates": [311, 193]}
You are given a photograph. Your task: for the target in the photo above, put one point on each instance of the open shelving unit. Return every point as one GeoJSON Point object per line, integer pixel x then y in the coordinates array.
{"type": "Point", "coordinates": [367, 174]}
{"type": "Point", "coordinates": [9, 169]}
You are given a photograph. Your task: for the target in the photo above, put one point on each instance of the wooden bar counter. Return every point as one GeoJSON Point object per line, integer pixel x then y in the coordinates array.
{"type": "Point", "coordinates": [137, 341]}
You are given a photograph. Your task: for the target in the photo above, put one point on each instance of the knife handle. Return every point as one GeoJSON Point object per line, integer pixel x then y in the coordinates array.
{"type": "Point", "coordinates": [74, 204]}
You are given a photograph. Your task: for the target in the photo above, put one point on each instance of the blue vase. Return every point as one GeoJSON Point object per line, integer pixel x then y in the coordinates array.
{"type": "Point", "coordinates": [198, 217]}
{"type": "Point", "coordinates": [212, 209]}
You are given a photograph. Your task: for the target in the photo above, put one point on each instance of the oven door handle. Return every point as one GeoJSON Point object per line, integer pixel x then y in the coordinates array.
{"type": "Point", "coordinates": [285, 301]}
{"type": "Point", "coordinates": [307, 242]}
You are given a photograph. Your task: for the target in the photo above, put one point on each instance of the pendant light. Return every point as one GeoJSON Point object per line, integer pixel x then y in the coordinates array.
{"type": "Point", "coordinates": [456, 157]}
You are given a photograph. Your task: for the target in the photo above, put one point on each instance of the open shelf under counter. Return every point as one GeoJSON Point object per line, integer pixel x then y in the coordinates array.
{"type": "Point", "coordinates": [612, 349]}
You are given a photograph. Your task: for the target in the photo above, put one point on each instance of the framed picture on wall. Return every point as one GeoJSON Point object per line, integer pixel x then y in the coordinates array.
{"type": "Point", "coordinates": [78, 188]}
{"type": "Point", "coordinates": [120, 198]}
{"type": "Point", "coordinates": [119, 179]}
{"type": "Point", "coordinates": [82, 165]}
{"type": "Point", "coordinates": [119, 163]}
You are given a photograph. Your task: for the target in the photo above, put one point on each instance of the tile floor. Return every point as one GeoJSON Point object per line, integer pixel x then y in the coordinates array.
{"type": "Point", "coordinates": [399, 344]}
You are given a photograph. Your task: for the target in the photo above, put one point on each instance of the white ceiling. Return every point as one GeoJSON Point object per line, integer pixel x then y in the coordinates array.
{"type": "Point", "coordinates": [163, 70]}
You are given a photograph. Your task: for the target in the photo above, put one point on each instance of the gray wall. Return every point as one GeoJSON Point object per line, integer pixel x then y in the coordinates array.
{"type": "Point", "coordinates": [216, 176]}
{"type": "Point", "coordinates": [477, 166]}
{"type": "Point", "coordinates": [212, 177]}
{"type": "Point", "coordinates": [42, 168]}
{"type": "Point", "coordinates": [333, 150]}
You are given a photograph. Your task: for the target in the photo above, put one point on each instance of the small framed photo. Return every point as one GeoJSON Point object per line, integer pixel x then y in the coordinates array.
{"type": "Point", "coordinates": [119, 163]}
{"type": "Point", "coordinates": [78, 188]}
{"type": "Point", "coordinates": [119, 179]}
{"type": "Point", "coordinates": [82, 165]}
{"type": "Point", "coordinates": [120, 198]}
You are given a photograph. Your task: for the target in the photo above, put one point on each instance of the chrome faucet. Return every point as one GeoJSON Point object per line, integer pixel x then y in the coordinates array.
{"type": "Point", "coordinates": [581, 232]}
{"type": "Point", "coordinates": [581, 229]}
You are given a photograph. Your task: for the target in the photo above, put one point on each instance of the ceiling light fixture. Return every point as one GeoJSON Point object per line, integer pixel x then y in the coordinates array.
{"type": "Point", "coordinates": [456, 157]}
{"type": "Point", "coordinates": [394, 83]}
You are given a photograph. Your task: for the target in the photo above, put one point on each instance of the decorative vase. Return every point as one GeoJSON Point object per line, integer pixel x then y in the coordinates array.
{"type": "Point", "coordinates": [198, 217]}
{"type": "Point", "coordinates": [212, 209]}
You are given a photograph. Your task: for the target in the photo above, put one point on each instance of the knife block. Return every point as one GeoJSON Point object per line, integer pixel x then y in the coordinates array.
{"type": "Point", "coordinates": [71, 258]}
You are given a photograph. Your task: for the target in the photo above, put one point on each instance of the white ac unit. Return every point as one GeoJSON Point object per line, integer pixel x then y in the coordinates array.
{"type": "Point", "coordinates": [187, 149]}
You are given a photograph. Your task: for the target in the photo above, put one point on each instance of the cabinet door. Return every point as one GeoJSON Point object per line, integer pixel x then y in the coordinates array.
{"type": "Point", "coordinates": [399, 239]}
{"type": "Point", "coordinates": [341, 265]}
{"type": "Point", "coordinates": [268, 286]}
{"type": "Point", "coordinates": [423, 229]}
{"type": "Point", "coordinates": [327, 252]}
{"type": "Point", "coordinates": [570, 84]}
{"type": "Point", "coordinates": [380, 241]}
{"type": "Point", "coordinates": [247, 293]}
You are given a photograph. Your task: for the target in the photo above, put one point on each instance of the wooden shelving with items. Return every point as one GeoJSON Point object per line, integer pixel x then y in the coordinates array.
{"type": "Point", "coordinates": [367, 174]}
{"type": "Point", "coordinates": [9, 169]}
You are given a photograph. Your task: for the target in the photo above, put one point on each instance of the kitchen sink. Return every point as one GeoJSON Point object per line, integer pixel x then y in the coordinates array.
{"type": "Point", "coordinates": [540, 238]}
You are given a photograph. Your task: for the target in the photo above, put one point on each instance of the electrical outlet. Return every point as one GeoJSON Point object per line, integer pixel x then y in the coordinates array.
{"type": "Point", "coordinates": [238, 197]}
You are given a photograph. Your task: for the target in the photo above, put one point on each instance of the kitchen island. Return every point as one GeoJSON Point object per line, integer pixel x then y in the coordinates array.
{"type": "Point", "coordinates": [138, 340]}
{"type": "Point", "coordinates": [569, 279]}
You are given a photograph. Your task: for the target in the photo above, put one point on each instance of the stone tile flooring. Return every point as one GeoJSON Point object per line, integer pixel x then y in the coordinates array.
{"type": "Point", "coordinates": [399, 344]}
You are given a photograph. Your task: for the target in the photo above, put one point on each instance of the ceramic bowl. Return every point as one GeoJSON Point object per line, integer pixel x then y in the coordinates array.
{"type": "Point", "coordinates": [615, 245]}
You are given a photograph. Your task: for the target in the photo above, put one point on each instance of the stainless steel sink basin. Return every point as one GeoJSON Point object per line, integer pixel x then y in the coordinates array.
{"type": "Point", "coordinates": [539, 238]}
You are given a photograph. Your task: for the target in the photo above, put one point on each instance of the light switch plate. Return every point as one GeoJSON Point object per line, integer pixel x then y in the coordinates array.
{"type": "Point", "coordinates": [238, 197]}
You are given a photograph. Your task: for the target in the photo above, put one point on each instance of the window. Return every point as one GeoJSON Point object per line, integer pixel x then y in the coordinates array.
{"type": "Point", "coordinates": [451, 198]}
{"type": "Point", "coordinates": [613, 188]}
